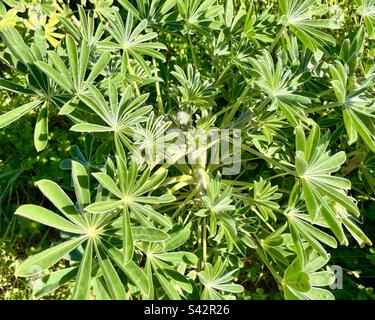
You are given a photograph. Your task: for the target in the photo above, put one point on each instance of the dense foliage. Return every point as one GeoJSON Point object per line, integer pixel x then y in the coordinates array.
{"type": "Point", "coordinates": [187, 149]}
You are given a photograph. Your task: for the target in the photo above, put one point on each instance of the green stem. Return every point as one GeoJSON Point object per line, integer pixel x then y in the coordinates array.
{"type": "Point", "coordinates": [199, 238]}
{"type": "Point", "coordinates": [260, 252]}
{"type": "Point", "coordinates": [278, 36]}
{"type": "Point", "coordinates": [238, 183]}
{"type": "Point", "coordinates": [235, 106]}
{"type": "Point", "coordinates": [131, 71]}
{"type": "Point", "coordinates": [192, 52]}
{"type": "Point", "coordinates": [187, 200]}
{"type": "Point", "coordinates": [157, 87]}
{"type": "Point", "coordinates": [320, 108]}
{"type": "Point", "coordinates": [263, 104]}
{"type": "Point", "coordinates": [204, 240]}
{"type": "Point", "coordinates": [262, 156]}
{"type": "Point", "coordinates": [222, 74]}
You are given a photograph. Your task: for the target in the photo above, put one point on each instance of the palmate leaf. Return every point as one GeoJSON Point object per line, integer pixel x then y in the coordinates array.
{"type": "Point", "coordinates": [257, 27]}
{"type": "Point", "coordinates": [298, 16]}
{"type": "Point", "coordinates": [199, 16]}
{"type": "Point", "coordinates": [119, 116]}
{"type": "Point", "coordinates": [217, 282]}
{"type": "Point", "coordinates": [153, 140]}
{"type": "Point", "coordinates": [154, 11]}
{"type": "Point", "coordinates": [86, 30]}
{"type": "Point", "coordinates": [129, 38]}
{"type": "Point", "coordinates": [72, 78]}
{"type": "Point", "coordinates": [219, 210]}
{"type": "Point", "coordinates": [37, 84]}
{"type": "Point", "coordinates": [162, 260]}
{"type": "Point", "coordinates": [127, 196]}
{"type": "Point", "coordinates": [306, 283]}
{"type": "Point", "coordinates": [351, 51]}
{"type": "Point", "coordinates": [280, 86]}
{"type": "Point", "coordinates": [366, 9]}
{"type": "Point", "coordinates": [128, 191]}
{"type": "Point", "coordinates": [264, 196]}
{"type": "Point", "coordinates": [83, 231]}
{"type": "Point", "coordinates": [358, 106]}
{"type": "Point", "coordinates": [192, 91]}
{"type": "Point", "coordinates": [314, 167]}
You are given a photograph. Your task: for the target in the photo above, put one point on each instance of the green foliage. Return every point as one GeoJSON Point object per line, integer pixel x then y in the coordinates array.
{"type": "Point", "coordinates": [103, 82]}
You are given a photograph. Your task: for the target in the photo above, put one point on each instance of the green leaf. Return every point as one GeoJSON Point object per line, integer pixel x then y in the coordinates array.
{"type": "Point", "coordinates": [82, 286]}
{"type": "Point", "coordinates": [107, 182]}
{"type": "Point", "coordinates": [177, 238]}
{"type": "Point", "coordinates": [41, 130]}
{"type": "Point", "coordinates": [47, 258]}
{"type": "Point", "coordinates": [150, 213]}
{"type": "Point", "coordinates": [81, 183]}
{"type": "Point", "coordinates": [48, 218]}
{"type": "Point", "coordinates": [322, 278]}
{"type": "Point", "coordinates": [98, 66]}
{"type": "Point", "coordinates": [15, 43]}
{"type": "Point", "coordinates": [90, 127]}
{"type": "Point", "coordinates": [135, 274]}
{"type": "Point", "coordinates": [149, 234]}
{"type": "Point", "coordinates": [53, 281]}
{"type": "Point", "coordinates": [10, 86]}
{"type": "Point", "coordinates": [319, 294]}
{"type": "Point", "coordinates": [178, 257]}
{"type": "Point", "coordinates": [127, 237]}
{"type": "Point", "coordinates": [73, 57]}
{"type": "Point", "coordinates": [54, 75]}
{"type": "Point", "coordinates": [104, 206]}
{"type": "Point", "coordinates": [111, 277]}
{"type": "Point", "coordinates": [15, 114]}
{"type": "Point", "coordinates": [167, 286]}
{"type": "Point", "coordinates": [298, 280]}
{"type": "Point", "coordinates": [60, 200]}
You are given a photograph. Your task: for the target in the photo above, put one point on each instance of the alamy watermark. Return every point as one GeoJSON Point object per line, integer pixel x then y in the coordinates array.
{"type": "Point", "coordinates": [338, 273]}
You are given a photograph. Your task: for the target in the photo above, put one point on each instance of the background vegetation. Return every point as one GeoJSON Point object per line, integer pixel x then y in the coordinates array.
{"type": "Point", "coordinates": [21, 165]}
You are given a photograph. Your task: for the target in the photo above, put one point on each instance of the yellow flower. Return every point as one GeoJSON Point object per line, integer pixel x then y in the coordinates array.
{"type": "Point", "coordinates": [9, 18]}
{"type": "Point", "coordinates": [36, 20]}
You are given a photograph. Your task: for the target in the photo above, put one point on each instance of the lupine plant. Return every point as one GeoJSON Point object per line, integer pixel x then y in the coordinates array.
{"type": "Point", "coordinates": [218, 130]}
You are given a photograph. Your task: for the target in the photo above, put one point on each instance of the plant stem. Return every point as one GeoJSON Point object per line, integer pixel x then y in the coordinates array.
{"type": "Point", "coordinates": [188, 198]}
{"type": "Point", "coordinates": [324, 107]}
{"type": "Point", "coordinates": [235, 106]}
{"type": "Point", "coordinates": [192, 52]}
{"type": "Point", "coordinates": [278, 36]}
{"type": "Point", "coordinates": [131, 72]}
{"type": "Point", "coordinates": [262, 156]}
{"type": "Point", "coordinates": [238, 183]}
{"type": "Point", "coordinates": [260, 252]}
{"type": "Point", "coordinates": [217, 82]}
{"type": "Point", "coordinates": [157, 87]}
{"type": "Point", "coordinates": [204, 240]}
